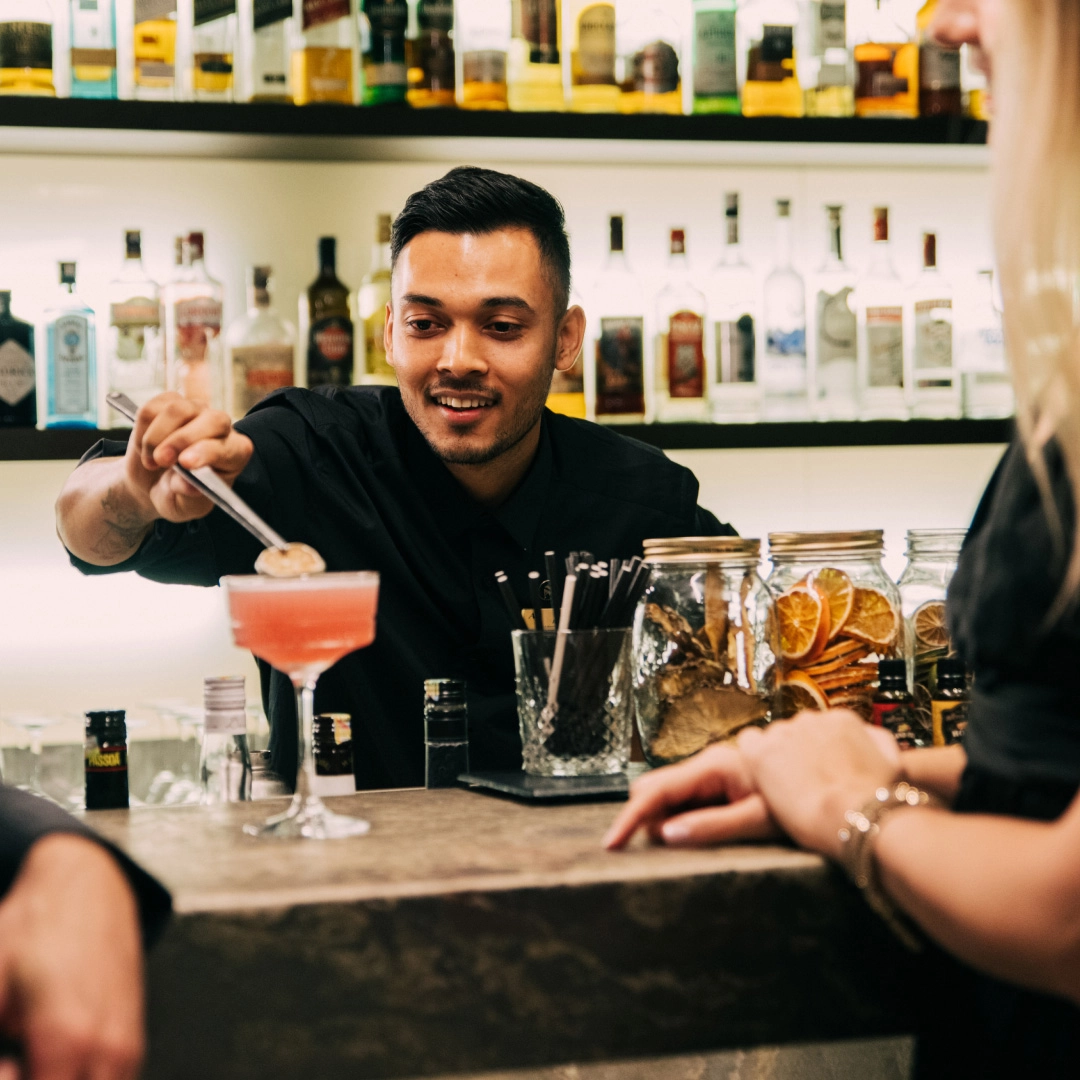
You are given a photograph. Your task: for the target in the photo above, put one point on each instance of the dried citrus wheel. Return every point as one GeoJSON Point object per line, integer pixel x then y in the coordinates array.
{"type": "Point", "coordinates": [931, 629]}
{"type": "Point", "coordinates": [839, 593]}
{"type": "Point", "coordinates": [798, 691]}
{"type": "Point", "coordinates": [873, 619]}
{"type": "Point", "coordinates": [803, 617]}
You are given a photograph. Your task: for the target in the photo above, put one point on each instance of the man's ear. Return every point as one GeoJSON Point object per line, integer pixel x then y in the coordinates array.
{"type": "Point", "coordinates": [571, 335]}
{"type": "Point", "coordinates": [388, 334]}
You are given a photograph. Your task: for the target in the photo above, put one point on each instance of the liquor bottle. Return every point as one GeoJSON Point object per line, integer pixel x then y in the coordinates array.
{"type": "Point", "coordinates": [949, 703]}
{"type": "Point", "coordinates": [371, 303]}
{"type": "Point", "coordinates": [880, 314]}
{"type": "Point", "coordinates": [106, 760]}
{"type": "Point", "coordinates": [325, 60]}
{"type": "Point", "coordinates": [589, 27]}
{"type": "Point", "coordinates": [716, 82]}
{"type": "Point", "coordinates": [615, 378]}
{"type": "Point", "coordinates": [934, 381]}
{"type": "Point", "coordinates": [939, 70]}
{"type": "Point", "coordinates": [332, 751]}
{"type": "Point", "coordinates": [155, 50]}
{"type": "Point", "coordinates": [225, 760]}
{"type": "Point", "coordinates": [384, 70]}
{"type": "Point", "coordinates": [825, 66]}
{"type": "Point", "coordinates": [681, 378]}
{"type": "Point", "coordinates": [894, 706]}
{"type": "Point", "coordinates": [783, 370]}
{"type": "Point", "coordinates": [269, 74]}
{"type": "Point", "coordinates": [886, 65]}
{"type": "Point", "coordinates": [988, 392]}
{"type": "Point", "coordinates": [134, 361]}
{"type": "Point", "coordinates": [193, 314]}
{"type": "Point", "coordinates": [974, 92]}
{"type": "Point", "coordinates": [18, 377]}
{"type": "Point", "coordinates": [431, 56]}
{"type": "Point", "coordinates": [733, 299]}
{"type": "Point", "coordinates": [482, 40]}
{"type": "Point", "coordinates": [93, 49]}
{"type": "Point", "coordinates": [566, 395]}
{"type": "Point", "coordinates": [768, 76]}
{"type": "Point", "coordinates": [535, 76]}
{"type": "Point", "coordinates": [327, 320]}
{"type": "Point", "coordinates": [71, 358]}
{"type": "Point", "coordinates": [26, 48]}
{"type": "Point", "coordinates": [647, 45]}
{"type": "Point", "coordinates": [261, 349]}
{"type": "Point", "coordinates": [213, 48]}
{"type": "Point", "coordinates": [833, 334]}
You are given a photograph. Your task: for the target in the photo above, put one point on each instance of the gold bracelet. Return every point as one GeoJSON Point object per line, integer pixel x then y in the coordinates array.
{"type": "Point", "coordinates": [857, 837]}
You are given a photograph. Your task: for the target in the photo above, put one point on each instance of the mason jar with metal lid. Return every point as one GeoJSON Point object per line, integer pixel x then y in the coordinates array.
{"type": "Point", "coordinates": [703, 657]}
{"type": "Point", "coordinates": [837, 614]}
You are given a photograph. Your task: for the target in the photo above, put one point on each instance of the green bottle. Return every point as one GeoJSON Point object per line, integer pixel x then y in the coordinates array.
{"type": "Point", "coordinates": [383, 27]}
{"type": "Point", "coordinates": [716, 87]}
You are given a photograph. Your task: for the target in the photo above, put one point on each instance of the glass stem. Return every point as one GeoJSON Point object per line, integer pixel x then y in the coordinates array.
{"type": "Point", "coordinates": [305, 750]}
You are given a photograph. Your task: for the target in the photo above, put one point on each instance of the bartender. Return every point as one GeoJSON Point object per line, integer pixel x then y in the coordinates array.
{"type": "Point", "coordinates": [438, 484]}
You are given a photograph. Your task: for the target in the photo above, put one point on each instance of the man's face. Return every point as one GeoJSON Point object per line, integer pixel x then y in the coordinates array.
{"type": "Point", "coordinates": [472, 334]}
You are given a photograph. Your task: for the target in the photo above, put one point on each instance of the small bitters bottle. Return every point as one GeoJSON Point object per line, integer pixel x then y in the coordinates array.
{"type": "Point", "coordinates": [106, 760]}
{"type": "Point", "coordinates": [949, 704]}
{"type": "Point", "coordinates": [893, 705]}
{"type": "Point", "coordinates": [446, 732]}
{"type": "Point", "coordinates": [225, 761]}
{"type": "Point", "coordinates": [334, 772]}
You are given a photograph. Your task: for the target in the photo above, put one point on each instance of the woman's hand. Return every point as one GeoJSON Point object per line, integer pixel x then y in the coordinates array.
{"type": "Point", "coordinates": [678, 804]}
{"type": "Point", "coordinates": [813, 769]}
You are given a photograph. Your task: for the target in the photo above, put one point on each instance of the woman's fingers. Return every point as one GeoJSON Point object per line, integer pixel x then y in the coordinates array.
{"type": "Point", "coordinates": [747, 819]}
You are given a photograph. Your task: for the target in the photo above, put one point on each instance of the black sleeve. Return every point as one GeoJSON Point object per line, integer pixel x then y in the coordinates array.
{"type": "Point", "coordinates": [706, 523]}
{"type": "Point", "coordinates": [26, 818]}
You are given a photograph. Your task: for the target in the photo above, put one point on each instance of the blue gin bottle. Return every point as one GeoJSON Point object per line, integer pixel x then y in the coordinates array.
{"type": "Point", "coordinates": [93, 48]}
{"type": "Point", "coordinates": [71, 364]}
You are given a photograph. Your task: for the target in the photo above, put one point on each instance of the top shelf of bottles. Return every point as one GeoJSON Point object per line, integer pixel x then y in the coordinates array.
{"type": "Point", "coordinates": [346, 133]}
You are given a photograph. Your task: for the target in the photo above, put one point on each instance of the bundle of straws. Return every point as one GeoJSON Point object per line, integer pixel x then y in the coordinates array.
{"type": "Point", "coordinates": [591, 597]}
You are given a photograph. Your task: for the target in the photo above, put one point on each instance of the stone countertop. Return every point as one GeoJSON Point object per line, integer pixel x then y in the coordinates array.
{"type": "Point", "coordinates": [467, 932]}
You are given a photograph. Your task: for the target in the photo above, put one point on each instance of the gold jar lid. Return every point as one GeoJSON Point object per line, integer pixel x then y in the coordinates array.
{"type": "Point", "coordinates": [702, 549]}
{"type": "Point", "coordinates": [815, 543]}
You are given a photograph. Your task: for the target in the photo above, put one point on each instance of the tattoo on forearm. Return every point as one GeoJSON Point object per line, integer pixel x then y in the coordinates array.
{"type": "Point", "coordinates": [124, 527]}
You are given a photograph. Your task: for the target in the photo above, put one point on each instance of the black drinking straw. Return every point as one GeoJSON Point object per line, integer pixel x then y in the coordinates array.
{"type": "Point", "coordinates": [512, 609]}
{"type": "Point", "coordinates": [537, 600]}
{"type": "Point", "coordinates": [555, 580]}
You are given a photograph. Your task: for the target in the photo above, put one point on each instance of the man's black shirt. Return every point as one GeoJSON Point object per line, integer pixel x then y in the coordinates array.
{"type": "Point", "coordinates": [347, 472]}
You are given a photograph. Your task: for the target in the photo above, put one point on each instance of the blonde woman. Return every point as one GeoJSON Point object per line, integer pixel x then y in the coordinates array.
{"type": "Point", "coordinates": [977, 849]}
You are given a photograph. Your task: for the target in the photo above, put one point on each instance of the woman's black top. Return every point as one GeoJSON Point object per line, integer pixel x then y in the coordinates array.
{"type": "Point", "coordinates": [1023, 747]}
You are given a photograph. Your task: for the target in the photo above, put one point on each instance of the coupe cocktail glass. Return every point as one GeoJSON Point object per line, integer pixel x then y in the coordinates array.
{"type": "Point", "coordinates": [302, 626]}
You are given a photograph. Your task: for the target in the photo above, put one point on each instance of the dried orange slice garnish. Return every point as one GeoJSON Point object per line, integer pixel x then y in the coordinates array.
{"type": "Point", "coordinates": [798, 691]}
{"type": "Point", "coordinates": [835, 586]}
{"type": "Point", "coordinates": [803, 618]}
{"type": "Point", "coordinates": [930, 625]}
{"type": "Point", "coordinates": [873, 619]}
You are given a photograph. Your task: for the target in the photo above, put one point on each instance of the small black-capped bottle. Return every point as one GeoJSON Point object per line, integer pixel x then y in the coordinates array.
{"type": "Point", "coordinates": [893, 705]}
{"type": "Point", "coordinates": [106, 757]}
{"type": "Point", "coordinates": [949, 704]}
{"type": "Point", "coordinates": [333, 741]}
{"type": "Point", "coordinates": [446, 732]}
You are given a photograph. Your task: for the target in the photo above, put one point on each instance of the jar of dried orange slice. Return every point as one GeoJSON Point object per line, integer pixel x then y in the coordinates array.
{"type": "Point", "coordinates": [703, 655]}
{"type": "Point", "coordinates": [932, 555]}
{"type": "Point", "coordinates": [837, 614]}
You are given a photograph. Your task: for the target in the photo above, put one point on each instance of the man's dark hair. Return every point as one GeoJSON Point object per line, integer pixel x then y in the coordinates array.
{"type": "Point", "coordinates": [478, 201]}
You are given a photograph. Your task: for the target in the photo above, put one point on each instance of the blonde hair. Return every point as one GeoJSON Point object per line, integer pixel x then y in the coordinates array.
{"type": "Point", "coordinates": [1035, 148]}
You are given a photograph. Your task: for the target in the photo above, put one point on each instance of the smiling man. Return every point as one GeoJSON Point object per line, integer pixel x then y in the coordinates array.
{"type": "Point", "coordinates": [460, 473]}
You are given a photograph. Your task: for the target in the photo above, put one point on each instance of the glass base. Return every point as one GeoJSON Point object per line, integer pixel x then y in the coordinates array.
{"type": "Point", "coordinates": [309, 819]}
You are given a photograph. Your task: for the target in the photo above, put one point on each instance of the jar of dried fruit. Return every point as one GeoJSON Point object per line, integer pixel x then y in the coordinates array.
{"type": "Point", "coordinates": [703, 656]}
{"type": "Point", "coordinates": [932, 555]}
{"type": "Point", "coordinates": [837, 614]}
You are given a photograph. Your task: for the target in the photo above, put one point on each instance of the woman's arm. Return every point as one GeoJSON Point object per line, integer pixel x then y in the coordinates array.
{"type": "Point", "coordinates": [936, 770]}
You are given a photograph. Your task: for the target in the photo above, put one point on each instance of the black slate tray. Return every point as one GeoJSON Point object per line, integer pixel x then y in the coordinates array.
{"type": "Point", "coordinates": [549, 789]}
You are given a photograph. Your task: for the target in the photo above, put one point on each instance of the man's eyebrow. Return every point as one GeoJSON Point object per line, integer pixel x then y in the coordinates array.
{"type": "Point", "coordinates": [506, 301]}
{"type": "Point", "coordinates": [420, 298]}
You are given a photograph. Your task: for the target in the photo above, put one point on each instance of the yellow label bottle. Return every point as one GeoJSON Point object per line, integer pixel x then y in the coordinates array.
{"type": "Point", "coordinates": [772, 84]}
{"type": "Point", "coordinates": [482, 39]}
{"type": "Point", "coordinates": [651, 78]}
{"type": "Point", "coordinates": [372, 298]}
{"type": "Point", "coordinates": [886, 67]}
{"type": "Point", "coordinates": [535, 75]}
{"type": "Point", "coordinates": [590, 32]}
{"type": "Point", "coordinates": [324, 66]}
{"type": "Point", "coordinates": [26, 55]}
{"type": "Point", "coordinates": [155, 50]}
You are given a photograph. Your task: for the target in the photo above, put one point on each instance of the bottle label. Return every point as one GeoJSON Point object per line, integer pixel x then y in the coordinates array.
{"type": "Point", "coordinates": [72, 365]}
{"type": "Point", "coordinates": [330, 352]}
{"type": "Point", "coordinates": [198, 322]}
{"type": "Point", "coordinates": [436, 15]}
{"type": "Point", "coordinates": [209, 10]}
{"type": "Point", "coordinates": [989, 350]}
{"type": "Point", "coordinates": [375, 344]}
{"type": "Point", "coordinates": [773, 59]}
{"type": "Point", "coordinates": [786, 342]}
{"type": "Point", "coordinates": [484, 66]}
{"type": "Point", "coordinates": [92, 41]}
{"type": "Point", "coordinates": [885, 347]}
{"type": "Point", "coordinates": [104, 759]}
{"type": "Point", "coordinates": [714, 54]}
{"type": "Point", "coordinates": [17, 376]}
{"type": "Point", "coordinates": [594, 62]}
{"type": "Point", "coordinates": [656, 69]}
{"type": "Point", "coordinates": [939, 67]}
{"type": "Point", "coordinates": [380, 74]}
{"type": "Point", "coordinates": [150, 10]}
{"type": "Point", "coordinates": [268, 12]}
{"type": "Point", "coordinates": [620, 367]}
{"type": "Point", "coordinates": [830, 43]}
{"type": "Point", "coordinates": [933, 334]}
{"type": "Point", "coordinates": [225, 722]}
{"type": "Point", "coordinates": [318, 12]}
{"type": "Point", "coordinates": [686, 355]}
{"type": "Point", "coordinates": [540, 28]}
{"type": "Point", "coordinates": [259, 370]}
{"type": "Point", "coordinates": [949, 720]}
{"type": "Point", "coordinates": [835, 326]}
{"type": "Point", "coordinates": [26, 45]}
{"type": "Point", "coordinates": [877, 76]}
{"type": "Point", "coordinates": [131, 320]}
{"type": "Point", "coordinates": [735, 350]}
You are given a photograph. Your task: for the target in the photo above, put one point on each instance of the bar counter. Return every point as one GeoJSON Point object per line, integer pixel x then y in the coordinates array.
{"type": "Point", "coordinates": [468, 933]}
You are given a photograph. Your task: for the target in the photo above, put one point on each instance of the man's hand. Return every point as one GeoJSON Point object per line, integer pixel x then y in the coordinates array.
{"type": "Point", "coordinates": [71, 980]}
{"type": "Point", "coordinates": [678, 804]}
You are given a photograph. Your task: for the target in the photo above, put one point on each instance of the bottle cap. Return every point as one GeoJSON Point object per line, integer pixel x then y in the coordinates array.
{"type": "Point", "coordinates": [892, 672]}
{"type": "Point", "coordinates": [98, 721]}
{"type": "Point", "coordinates": [783, 208]}
{"type": "Point", "coordinates": [881, 224]}
{"type": "Point", "coordinates": [196, 246]}
{"type": "Point", "coordinates": [929, 250]}
{"type": "Point", "coordinates": [678, 241]}
{"type": "Point", "coordinates": [224, 692]}
{"type": "Point", "coordinates": [383, 230]}
{"type": "Point", "coordinates": [616, 225]}
{"type": "Point", "coordinates": [951, 671]}
{"type": "Point", "coordinates": [731, 204]}
{"type": "Point", "coordinates": [444, 692]}
{"type": "Point", "coordinates": [133, 243]}
{"type": "Point", "coordinates": [260, 278]}
{"type": "Point", "coordinates": [67, 273]}
{"type": "Point", "coordinates": [327, 251]}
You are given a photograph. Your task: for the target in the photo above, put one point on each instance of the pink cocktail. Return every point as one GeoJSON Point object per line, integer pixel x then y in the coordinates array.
{"type": "Point", "coordinates": [302, 626]}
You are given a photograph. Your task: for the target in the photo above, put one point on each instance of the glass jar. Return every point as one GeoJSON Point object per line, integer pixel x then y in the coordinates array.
{"type": "Point", "coordinates": [837, 614]}
{"type": "Point", "coordinates": [932, 555]}
{"type": "Point", "coordinates": [703, 657]}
